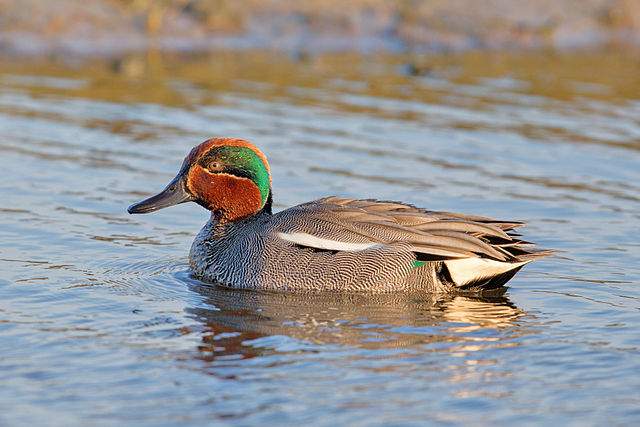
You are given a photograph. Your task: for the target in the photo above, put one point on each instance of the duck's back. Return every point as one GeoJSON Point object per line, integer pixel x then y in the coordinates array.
{"type": "Point", "coordinates": [366, 245]}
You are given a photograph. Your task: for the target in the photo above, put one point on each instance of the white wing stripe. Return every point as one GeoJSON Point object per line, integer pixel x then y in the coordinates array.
{"type": "Point", "coordinates": [304, 239]}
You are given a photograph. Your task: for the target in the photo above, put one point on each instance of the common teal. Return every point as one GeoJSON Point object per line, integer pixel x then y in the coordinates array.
{"type": "Point", "coordinates": [332, 243]}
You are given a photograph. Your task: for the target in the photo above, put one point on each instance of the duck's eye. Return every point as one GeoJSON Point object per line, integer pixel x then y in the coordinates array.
{"type": "Point", "coordinates": [215, 166]}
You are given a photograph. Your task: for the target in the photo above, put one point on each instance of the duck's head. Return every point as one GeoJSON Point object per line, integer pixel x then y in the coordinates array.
{"type": "Point", "coordinates": [227, 176]}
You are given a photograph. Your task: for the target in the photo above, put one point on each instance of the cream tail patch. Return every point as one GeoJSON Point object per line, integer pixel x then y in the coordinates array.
{"type": "Point", "coordinates": [467, 270]}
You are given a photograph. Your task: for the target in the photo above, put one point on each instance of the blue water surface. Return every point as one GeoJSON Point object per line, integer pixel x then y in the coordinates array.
{"type": "Point", "coordinates": [101, 323]}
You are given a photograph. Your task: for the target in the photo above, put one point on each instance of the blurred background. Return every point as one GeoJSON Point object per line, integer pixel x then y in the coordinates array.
{"type": "Point", "coordinates": [107, 26]}
{"type": "Point", "coordinates": [526, 110]}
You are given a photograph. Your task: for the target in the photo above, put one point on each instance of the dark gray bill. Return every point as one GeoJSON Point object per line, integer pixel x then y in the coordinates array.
{"type": "Point", "coordinates": [174, 194]}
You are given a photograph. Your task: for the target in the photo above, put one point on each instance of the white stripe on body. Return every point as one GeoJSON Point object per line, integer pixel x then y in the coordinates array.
{"type": "Point", "coordinates": [305, 239]}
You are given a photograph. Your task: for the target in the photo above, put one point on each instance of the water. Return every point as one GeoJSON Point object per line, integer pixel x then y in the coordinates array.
{"type": "Point", "coordinates": [101, 324]}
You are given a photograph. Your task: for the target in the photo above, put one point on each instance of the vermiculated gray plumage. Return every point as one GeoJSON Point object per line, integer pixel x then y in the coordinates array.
{"type": "Point", "coordinates": [359, 245]}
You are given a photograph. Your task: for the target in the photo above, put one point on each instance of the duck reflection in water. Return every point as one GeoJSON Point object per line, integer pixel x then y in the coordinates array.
{"type": "Point", "coordinates": [233, 319]}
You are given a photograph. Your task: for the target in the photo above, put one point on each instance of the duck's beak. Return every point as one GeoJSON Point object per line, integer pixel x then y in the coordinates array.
{"type": "Point", "coordinates": [175, 193]}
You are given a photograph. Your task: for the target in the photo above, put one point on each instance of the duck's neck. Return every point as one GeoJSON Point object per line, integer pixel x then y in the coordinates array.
{"type": "Point", "coordinates": [224, 217]}
{"type": "Point", "coordinates": [268, 204]}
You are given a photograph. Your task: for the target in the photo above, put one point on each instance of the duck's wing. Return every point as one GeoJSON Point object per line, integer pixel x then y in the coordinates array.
{"type": "Point", "coordinates": [470, 246]}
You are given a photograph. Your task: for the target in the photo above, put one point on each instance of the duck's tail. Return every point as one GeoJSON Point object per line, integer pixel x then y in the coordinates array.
{"type": "Point", "coordinates": [480, 274]}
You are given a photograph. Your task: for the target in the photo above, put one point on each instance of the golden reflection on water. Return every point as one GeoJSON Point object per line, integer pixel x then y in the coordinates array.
{"type": "Point", "coordinates": [479, 313]}
{"type": "Point", "coordinates": [157, 77]}
{"type": "Point", "coordinates": [466, 91]}
{"type": "Point", "coordinates": [402, 320]}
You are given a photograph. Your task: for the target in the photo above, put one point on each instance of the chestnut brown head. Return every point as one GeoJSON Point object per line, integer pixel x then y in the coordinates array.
{"type": "Point", "coordinates": [227, 176]}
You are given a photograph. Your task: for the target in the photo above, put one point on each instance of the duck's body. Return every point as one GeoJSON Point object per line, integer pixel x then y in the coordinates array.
{"type": "Point", "coordinates": [331, 243]}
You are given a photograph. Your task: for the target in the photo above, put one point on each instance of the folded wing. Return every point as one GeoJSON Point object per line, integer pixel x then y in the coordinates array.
{"type": "Point", "coordinates": [474, 249]}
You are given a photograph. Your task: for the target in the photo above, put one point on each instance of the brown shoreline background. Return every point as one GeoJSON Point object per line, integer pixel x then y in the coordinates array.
{"type": "Point", "coordinates": [103, 27]}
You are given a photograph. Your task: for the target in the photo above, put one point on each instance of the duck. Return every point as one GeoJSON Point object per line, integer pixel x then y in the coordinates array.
{"type": "Point", "coordinates": [333, 243]}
